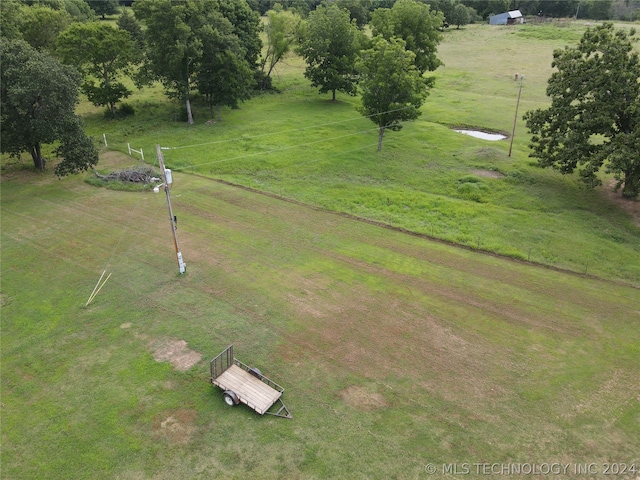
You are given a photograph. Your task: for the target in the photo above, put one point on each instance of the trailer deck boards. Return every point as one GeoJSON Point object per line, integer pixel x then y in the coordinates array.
{"type": "Point", "coordinates": [252, 391]}
{"type": "Point", "coordinates": [243, 384]}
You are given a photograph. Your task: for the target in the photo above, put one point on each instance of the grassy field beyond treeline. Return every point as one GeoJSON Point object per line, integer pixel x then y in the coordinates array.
{"type": "Point", "coordinates": [427, 179]}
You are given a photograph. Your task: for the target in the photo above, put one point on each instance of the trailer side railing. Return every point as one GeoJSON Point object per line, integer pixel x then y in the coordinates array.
{"type": "Point", "coordinates": [222, 362]}
{"type": "Point", "coordinates": [258, 375]}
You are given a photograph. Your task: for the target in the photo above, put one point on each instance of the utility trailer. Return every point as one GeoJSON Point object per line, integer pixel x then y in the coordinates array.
{"type": "Point", "coordinates": [243, 384]}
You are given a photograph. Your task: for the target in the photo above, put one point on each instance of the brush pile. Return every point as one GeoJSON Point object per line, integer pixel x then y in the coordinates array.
{"type": "Point", "coordinates": [137, 174]}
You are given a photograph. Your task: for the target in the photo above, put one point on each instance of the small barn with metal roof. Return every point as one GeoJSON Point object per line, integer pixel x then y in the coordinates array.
{"type": "Point", "coordinates": [507, 18]}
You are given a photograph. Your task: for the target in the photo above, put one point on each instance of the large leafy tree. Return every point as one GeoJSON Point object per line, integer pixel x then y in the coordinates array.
{"type": "Point", "coordinates": [104, 7]}
{"type": "Point", "coordinates": [183, 40]}
{"type": "Point", "coordinates": [40, 26]}
{"type": "Point", "coordinates": [127, 22]}
{"type": "Point", "coordinates": [461, 15]}
{"type": "Point", "coordinates": [330, 45]}
{"type": "Point", "coordinates": [38, 98]}
{"type": "Point", "coordinates": [10, 20]}
{"type": "Point", "coordinates": [281, 30]}
{"type": "Point", "coordinates": [173, 47]}
{"type": "Point", "coordinates": [246, 26]}
{"type": "Point", "coordinates": [417, 25]}
{"type": "Point", "coordinates": [358, 10]}
{"type": "Point", "coordinates": [101, 53]}
{"type": "Point", "coordinates": [487, 8]}
{"type": "Point", "coordinates": [79, 10]}
{"type": "Point", "coordinates": [224, 76]}
{"type": "Point", "coordinates": [594, 117]}
{"type": "Point", "coordinates": [392, 88]}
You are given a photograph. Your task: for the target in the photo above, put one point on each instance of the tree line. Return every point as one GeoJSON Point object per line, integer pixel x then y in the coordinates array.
{"type": "Point", "coordinates": [52, 50]}
{"type": "Point", "coordinates": [212, 47]}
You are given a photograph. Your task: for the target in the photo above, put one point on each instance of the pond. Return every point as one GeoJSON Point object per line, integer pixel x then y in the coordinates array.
{"type": "Point", "coordinates": [483, 135]}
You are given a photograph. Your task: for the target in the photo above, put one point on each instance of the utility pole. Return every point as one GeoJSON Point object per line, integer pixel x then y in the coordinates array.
{"type": "Point", "coordinates": [513, 131]}
{"type": "Point", "coordinates": [166, 177]}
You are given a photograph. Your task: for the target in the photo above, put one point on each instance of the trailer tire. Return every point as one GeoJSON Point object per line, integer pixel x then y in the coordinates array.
{"type": "Point", "coordinates": [230, 398]}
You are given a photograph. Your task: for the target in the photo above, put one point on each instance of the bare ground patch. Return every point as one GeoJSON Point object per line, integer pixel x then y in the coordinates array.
{"type": "Point", "coordinates": [361, 398]}
{"type": "Point", "coordinates": [632, 207]}
{"type": "Point", "coordinates": [175, 426]}
{"type": "Point", "coordinates": [486, 173]}
{"type": "Point", "coordinates": [175, 352]}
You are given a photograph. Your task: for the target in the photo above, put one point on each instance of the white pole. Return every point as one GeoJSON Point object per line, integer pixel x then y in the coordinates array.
{"type": "Point", "coordinates": [142, 154]}
{"type": "Point", "coordinates": [104, 136]}
{"type": "Point", "coordinates": [129, 147]}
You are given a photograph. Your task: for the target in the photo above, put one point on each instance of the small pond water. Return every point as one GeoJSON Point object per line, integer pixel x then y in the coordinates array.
{"type": "Point", "coordinates": [483, 135]}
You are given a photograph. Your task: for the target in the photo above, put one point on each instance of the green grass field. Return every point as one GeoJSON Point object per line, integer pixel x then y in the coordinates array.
{"type": "Point", "coordinates": [427, 179]}
{"type": "Point", "coordinates": [397, 352]}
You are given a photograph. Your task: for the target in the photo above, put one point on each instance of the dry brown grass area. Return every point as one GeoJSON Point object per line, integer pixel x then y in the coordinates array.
{"type": "Point", "coordinates": [630, 206]}
{"type": "Point", "coordinates": [175, 352]}
{"type": "Point", "coordinates": [176, 427]}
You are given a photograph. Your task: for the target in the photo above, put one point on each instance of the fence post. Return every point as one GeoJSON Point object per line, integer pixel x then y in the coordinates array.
{"type": "Point", "coordinates": [129, 147]}
{"type": "Point", "coordinates": [104, 137]}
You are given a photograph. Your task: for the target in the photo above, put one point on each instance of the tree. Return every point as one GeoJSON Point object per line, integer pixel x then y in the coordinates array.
{"type": "Point", "coordinates": [281, 31]}
{"type": "Point", "coordinates": [10, 20]}
{"type": "Point", "coordinates": [40, 26]}
{"type": "Point", "coordinates": [486, 8]}
{"type": "Point", "coordinates": [246, 26]}
{"type": "Point", "coordinates": [100, 52]}
{"type": "Point", "coordinates": [224, 76]}
{"type": "Point", "coordinates": [461, 15]}
{"type": "Point", "coordinates": [596, 9]}
{"type": "Point", "coordinates": [173, 48]}
{"type": "Point", "coordinates": [594, 117]}
{"type": "Point", "coordinates": [127, 22]}
{"type": "Point", "coordinates": [392, 88]}
{"type": "Point", "coordinates": [358, 10]}
{"type": "Point", "coordinates": [103, 7]}
{"type": "Point", "coordinates": [79, 10]}
{"type": "Point", "coordinates": [178, 36]}
{"type": "Point", "coordinates": [38, 98]}
{"type": "Point", "coordinates": [330, 45]}
{"type": "Point", "coordinates": [417, 25]}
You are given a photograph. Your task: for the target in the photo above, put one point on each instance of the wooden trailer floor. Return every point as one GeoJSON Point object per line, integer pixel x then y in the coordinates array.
{"type": "Point", "coordinates": [250, 390]}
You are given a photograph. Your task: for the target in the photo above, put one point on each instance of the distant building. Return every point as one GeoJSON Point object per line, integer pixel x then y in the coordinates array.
{"type": "Point", "coordinates": [507, 18]}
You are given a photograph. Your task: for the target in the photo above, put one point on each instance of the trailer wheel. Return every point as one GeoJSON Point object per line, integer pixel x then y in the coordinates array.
{"type": "Point", "coordinates": [230, 398]}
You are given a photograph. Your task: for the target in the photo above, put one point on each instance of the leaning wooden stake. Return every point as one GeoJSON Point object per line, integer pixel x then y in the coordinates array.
{"type": "Point", "coordinates": [97, 288]}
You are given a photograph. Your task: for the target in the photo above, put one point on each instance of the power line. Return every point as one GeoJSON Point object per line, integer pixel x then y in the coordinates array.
{"type": "Point", "coordinates": [236, 139]}
{"type": "Point", "coordinates": [275, 150]}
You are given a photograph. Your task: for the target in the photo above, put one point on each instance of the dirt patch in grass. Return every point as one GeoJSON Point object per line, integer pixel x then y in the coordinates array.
{"type": "Point", "coordinates": [487, 173]}
{"type": "Point", "coordinates": [632, 207]}
{"type": "Point", "coordinates": [4, 300]}
{"type": "Point", "coordinates": [176, 426]}
{"type": "Point", "coordinates": [361, 398]}
{"type": "Point", "coordinates": [175, 352]}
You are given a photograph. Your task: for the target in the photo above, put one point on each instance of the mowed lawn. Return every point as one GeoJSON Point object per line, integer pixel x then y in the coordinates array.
{"type": "Point", "coordinates": [396, 352]}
